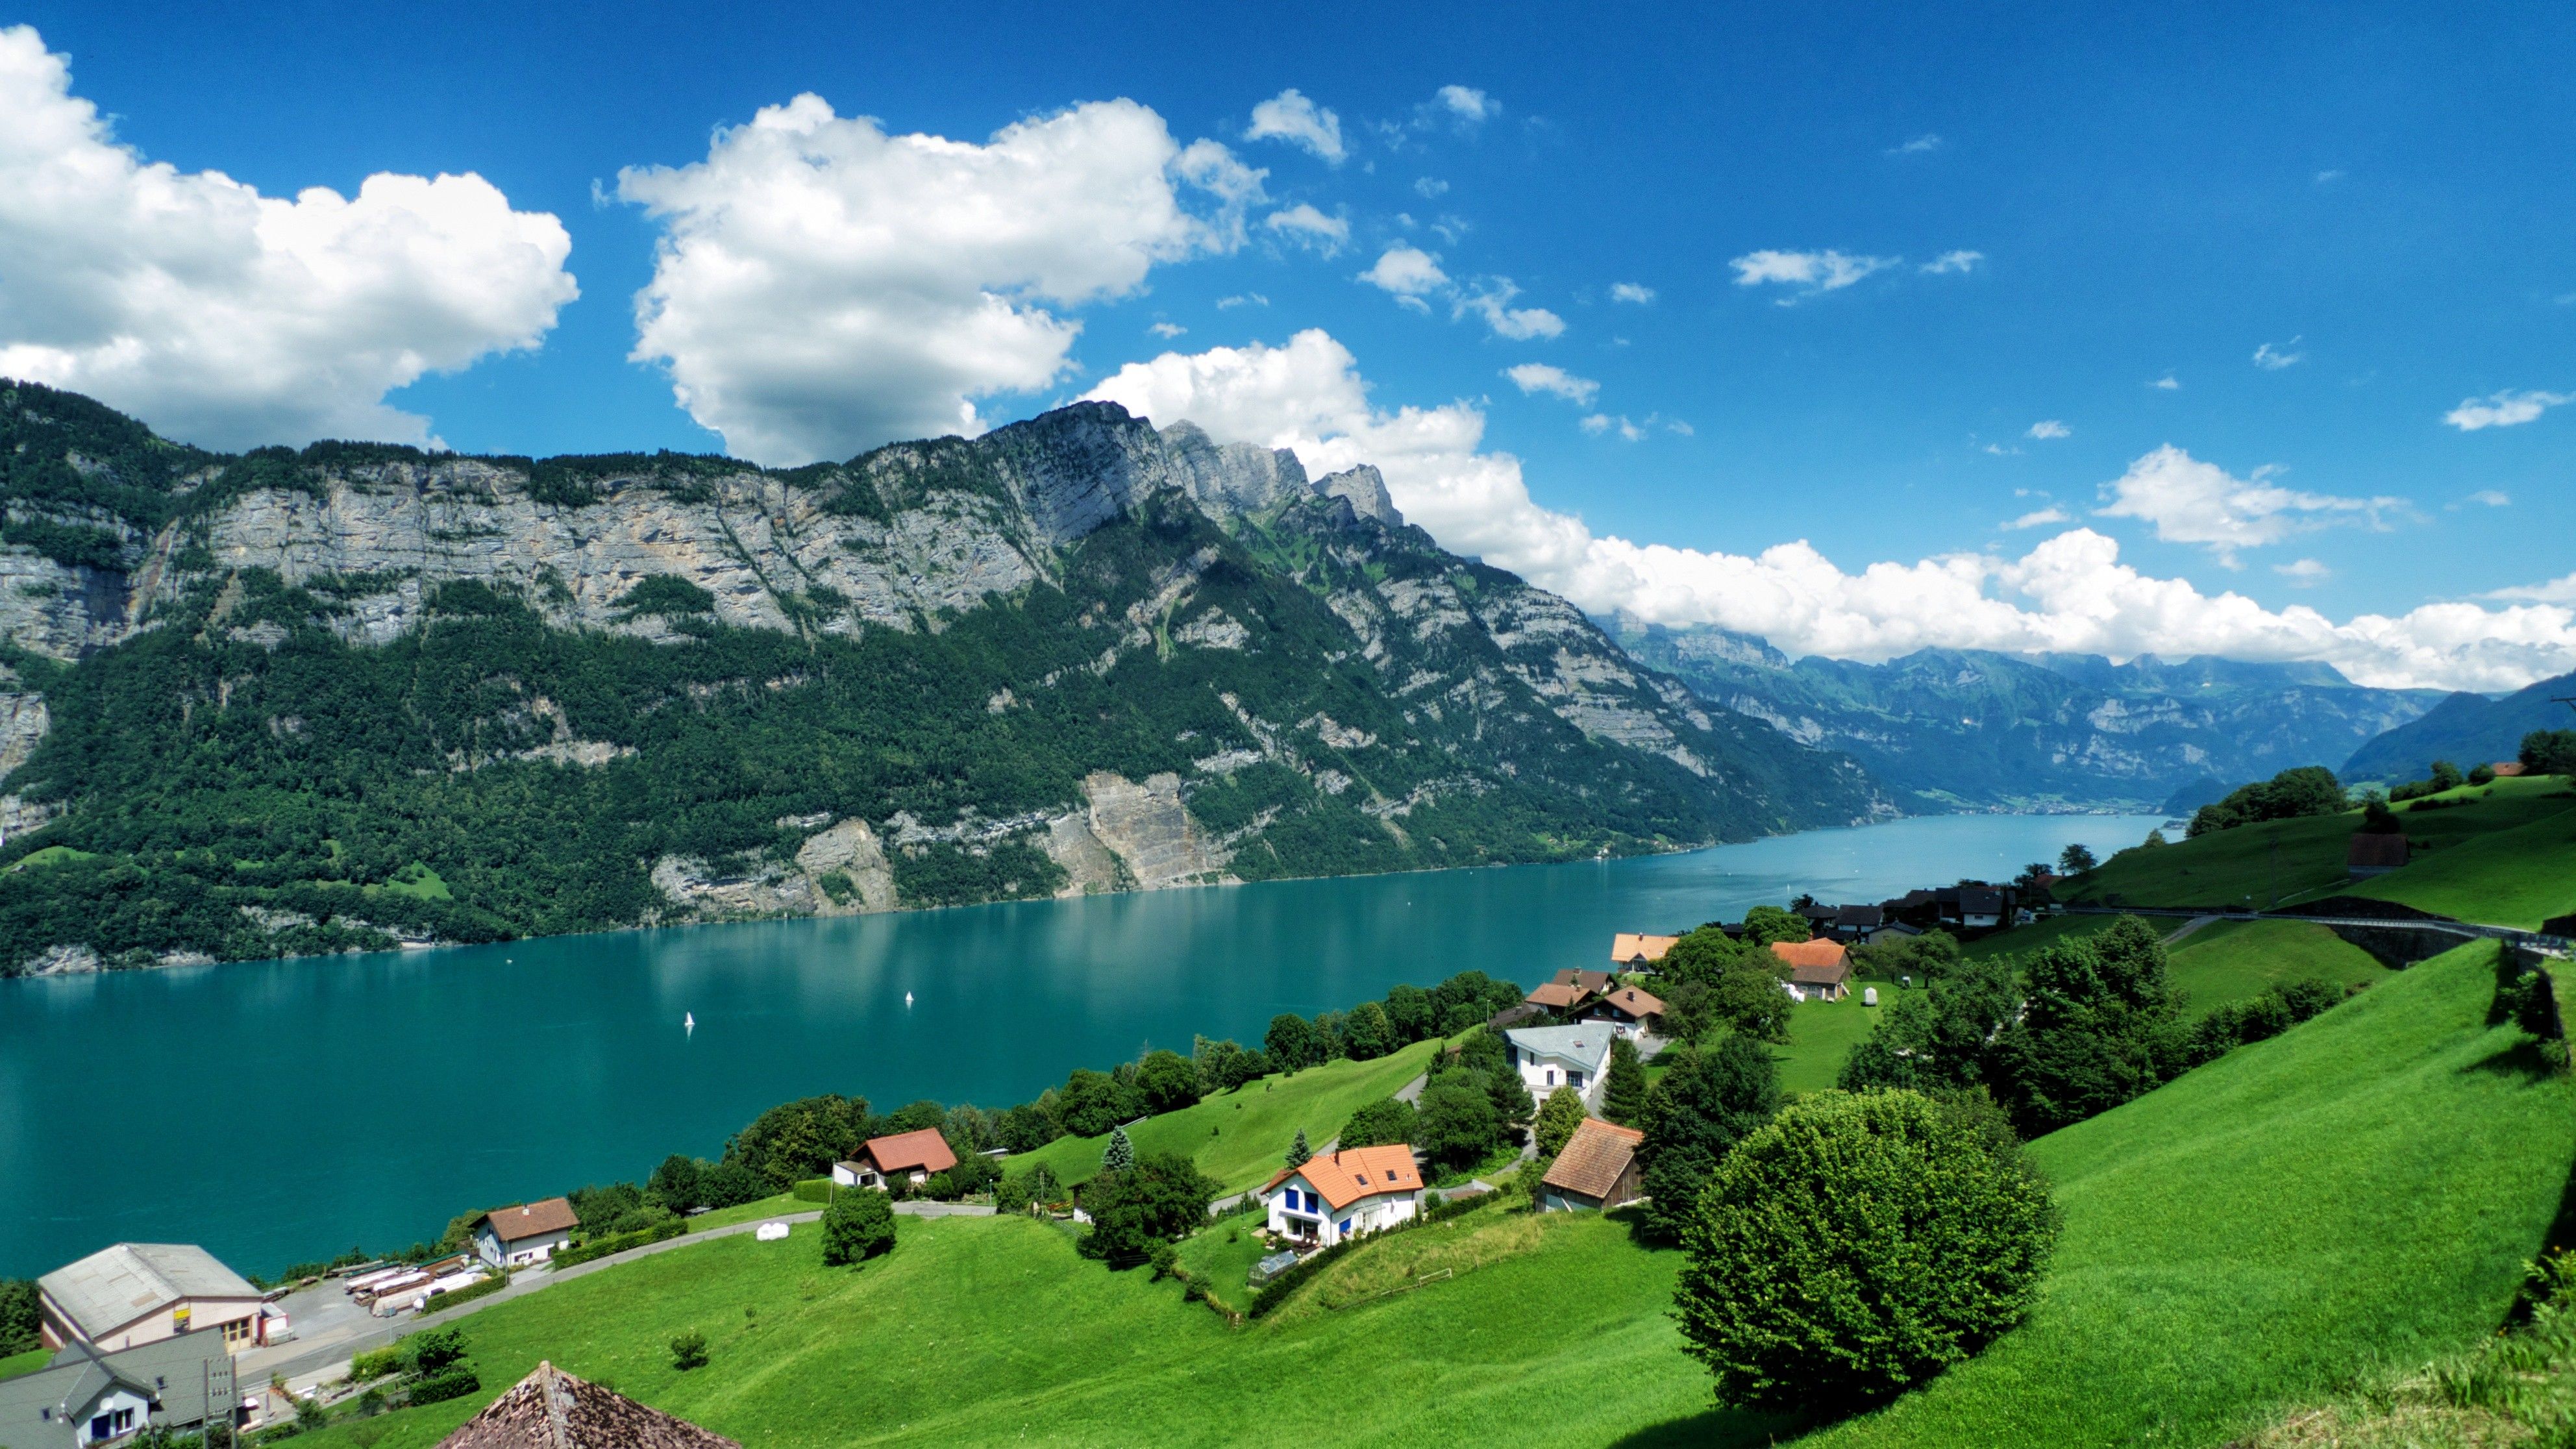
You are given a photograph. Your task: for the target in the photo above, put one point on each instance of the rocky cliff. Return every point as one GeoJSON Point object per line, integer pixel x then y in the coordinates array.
{"type": "Point", "coordinates": [356, 695]}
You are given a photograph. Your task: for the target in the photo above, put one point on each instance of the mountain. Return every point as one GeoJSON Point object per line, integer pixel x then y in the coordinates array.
{"type": "Point", "coordinates": [337, 698]}
{"type": "Point", "coordinates": [1971, 729]}
{"type": "Point", "coordinates": [2466, 729]}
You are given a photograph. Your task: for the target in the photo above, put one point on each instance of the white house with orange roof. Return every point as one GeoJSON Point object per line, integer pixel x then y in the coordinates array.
{"type": "Point", "coordinates": [1338, 1195]}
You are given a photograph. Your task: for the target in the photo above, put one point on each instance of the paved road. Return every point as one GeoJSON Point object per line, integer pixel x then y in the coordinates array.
{"type": "Point", "coordinates": [315, 1357]}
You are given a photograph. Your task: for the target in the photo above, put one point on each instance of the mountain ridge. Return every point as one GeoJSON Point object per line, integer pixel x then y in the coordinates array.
{"type": "Point", "coordinates": [359, 695]}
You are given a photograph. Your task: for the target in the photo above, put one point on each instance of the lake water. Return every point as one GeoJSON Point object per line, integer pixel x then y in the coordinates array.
{"type": "Point", "coordinates": [284, 1110]}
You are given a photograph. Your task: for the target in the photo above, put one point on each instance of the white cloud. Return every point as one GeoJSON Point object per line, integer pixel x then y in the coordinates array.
{"type": "Point", "coordinates": [1812, 272]}
{"type": "Point", "coordinates": [2492, 498]}
{"type": "Point", "coordinates": [2189, 501]}
{"type": "Point", "coordinates": [231, 319]}
{"type": "Point", "coordinates": [1247, 299]}
{"type": "Point", "coordinates": [2041, 518]}
{"type": "Point", "coordinates": [2166, 383]}
{"type": "Point", "coordinates": [1538, 377]}
{"type": "Point", "coordinates": [2507, 409]}
{"type": "Point", "coordinates": [1631, 292]}
{"type": "Point", "coordinates": [2000, 451]}
{"type": "Point", "coordinates": [821, 286]}
{"type": "Point", "coordinates": [2304, 573]}
{"type": "Point", "coordinates": [1430, 187]}
{"type": "Point", "coordinates": [1676, 425]}
{"type": "Point", "coordinates": [1520, 324]}
{"type": "Point", "coordinates": [2556, 591]}
{"type": "Point", "coordinates": [1920, 145]}
{"type": "Point", "coordinates": [1599, 423]}
{"type": "Point", "coordinates": [1289, 116]}
{"type": "Point", "coordinates": [2273, 359]}
{"type": "Point", "coordinates": [2327, 178]}
{"type": "Point", "coordinates": [1469, 104]}
{"type": "Point", "coordinates": [1952, 263]}
{"type": "Point", "coordinates": [1407, 272]}
{"type": "Point", "coordinates": [2049, 428]}
{"type": "Point", "coordinates": [2069, 592]}
{"type": "Point", "coordinates": [1167, 329]}
{"type": "Point", "coordinates": [1307, 227]}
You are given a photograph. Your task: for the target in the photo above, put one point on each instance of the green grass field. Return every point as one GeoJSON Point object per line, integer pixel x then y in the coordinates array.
{"type": "Point", "coordinates": [25, 1363]}
{"type": "Point", "coordinates": [2514, 877]}
{"type": "Point", "coordinates": [2022, 940]}
{"type": "Point", "coordinates": [2232, 960]}
{"type": "Point", "coordinates": [1823, 1033]}
{"type": "Point", "coordinates": [1238, 1137]}
{"type": "Point", "coordinates": [2242, 869]}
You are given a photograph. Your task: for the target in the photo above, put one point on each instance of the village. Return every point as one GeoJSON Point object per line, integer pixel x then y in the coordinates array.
{"type": "Point", "coordinates": [146, 1338]}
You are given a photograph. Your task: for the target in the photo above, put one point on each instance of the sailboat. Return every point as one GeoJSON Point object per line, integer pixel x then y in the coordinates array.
{"type": "Point", "coordinates": [688, 1021]}
{"type": "Point", "coordinates": [907, 998]}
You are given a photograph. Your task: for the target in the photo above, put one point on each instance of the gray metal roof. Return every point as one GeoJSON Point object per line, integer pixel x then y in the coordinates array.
{"type": "Point", "coordinates": [115, 1286]}
{"type": "Point", "coordinates": [66, 1390]}
{"type": "Point", "coordinates": [1587, 1046]}
{"type": "Point", "coordinates": [180, 1375]}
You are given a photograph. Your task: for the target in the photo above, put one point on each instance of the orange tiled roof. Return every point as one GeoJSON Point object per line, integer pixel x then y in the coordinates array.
{"type": "Point", "coordinates": [921, 1151]}
{"type": "Point", "coordinates": [1627, 946]}
{"type": "Point", "coordinates": [1347, 1176]}
{"type": "Point", "coordinates": [1556, 995]}
{"type": "Point", "coordinates": [1808, 953]}
{"type": "Point", "coordinates": [533, 1220]}
{"type": "Point", "coordinates": [1594, 1157]}
{"type": "Point", "coordinates": [1634, 1002]}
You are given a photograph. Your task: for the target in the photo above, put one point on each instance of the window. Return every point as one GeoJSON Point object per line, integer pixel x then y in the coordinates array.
{"type": "Point", "coordinates": [1346, 1225]}
{"type": "Point", "coordinates": [1574, 1079]}
{"type": "Point", "coordinates": [1551, 1076]}
{"type": "Point", "coordinates": [236, 1332]}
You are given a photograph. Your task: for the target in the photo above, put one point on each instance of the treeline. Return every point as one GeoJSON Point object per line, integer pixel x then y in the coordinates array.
{"type": "Point", "coordinates": [2289, 795]}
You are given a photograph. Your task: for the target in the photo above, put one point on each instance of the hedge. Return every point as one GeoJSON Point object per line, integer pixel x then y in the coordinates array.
{"type": "Point", "coordinates": [448, 1383]}
{"type": "Point", "coordinates": [441, 1302]}
{"type": "Point", "coordinates": [618, 1243]}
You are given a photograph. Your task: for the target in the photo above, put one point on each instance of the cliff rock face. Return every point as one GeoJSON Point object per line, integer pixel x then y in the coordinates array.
{"type": "Point", "coordinates": [374, 695]}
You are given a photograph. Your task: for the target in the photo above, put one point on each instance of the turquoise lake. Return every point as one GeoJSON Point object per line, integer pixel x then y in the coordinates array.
{"type": "Point", "coordinates": [284, 1110]}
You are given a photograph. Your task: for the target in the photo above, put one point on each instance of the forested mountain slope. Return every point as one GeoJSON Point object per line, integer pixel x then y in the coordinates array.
{"type": "Point", "coordinates": [292, 701]}
{"type": "Point", "coordinates": [2466, 729]}
{"type": "Point", "coordinates": [1954, 728]}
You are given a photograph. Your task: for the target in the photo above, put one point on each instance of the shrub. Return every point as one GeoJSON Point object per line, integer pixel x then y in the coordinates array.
{"type": "Point", "coordinates": [449, 1383]}
{"type": "Point", "coordinates": [376, 1363]}
{"type": "Point", "coordinates": [437, 1350]}
{"type": "Point", "coordinates": [1557, 1120]}
{"type": "Point", "coordinates": [1383, 1121]}
{"type": "Point", "coordinates": [617, 1243]}
{"type": "Point", "coordinates": [859, 1225]}
{"type": "Point", "coordinates": [1857, 1246]}
{"type": "Point", "coordinates": [814, 1189]}
{"type": "Point", "coordinates": [481, 1288]}
{"type": "Point", "coordinates": [689, 1351]}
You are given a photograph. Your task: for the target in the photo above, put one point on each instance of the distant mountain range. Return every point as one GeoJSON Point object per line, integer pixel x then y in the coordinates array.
{"type": "Point", "coordinates": [2465, 729]}
{"type": "Point", "coordinates": [299, 701]}
{"type": "Point", "coordinates": [1952, 729]}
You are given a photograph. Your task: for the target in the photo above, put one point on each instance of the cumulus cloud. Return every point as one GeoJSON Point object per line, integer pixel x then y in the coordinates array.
{"type": "Point", "coordinates": [232, 319]}
{"type": "Point", "coordinates": [2273, 359]}
{"type": "Point", "coordinates": [1430, 187]}
{"type": "Point", "coordinates": [1920, 145]}
{"type": "Point", "coordinates": [2069, 592]}
{"type": "Point", "coordinates": [1538, 377]}
{"type": "Point", "coordinates": [1810, 272]}
{"type": "Point", "coordinates": [2507, 409]}
{"type": "Point", "coordinates": [1491, 301]}
{"type": "Point", "coordinates": [1407, 272]}
{"type": "Point", "coordinates": [1167, 329]}
{"type": "Point", "coordinates": [2189, 501]}
{"type": "Point", "coordinates": [1953, 263]}
{"type": "Point", "coordinates": [1631, 292]}
{"type": "Point", "coordinates": [2303, 572]}
{"type": "Point", "coordinates": [1468, 104]}
{"type": "Point", "coordinates": [821, 286]}
{"type": "Point", "coordinates": [1307, 227]}
{"type": "Point", "coordinates": [2049, 428]}
{"type": "Point", "coordinates": [2556, 591]}
{"type": "Point", "coordinates": [1290, 117]}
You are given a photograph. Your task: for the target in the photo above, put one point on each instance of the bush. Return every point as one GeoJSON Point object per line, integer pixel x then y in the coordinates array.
{"type": "Point", "coordinates": [1168, 1080]}
{"type": "Point", "coordinates": [859, 1225]}
{"type": "Point", "coordinates": [689, 1351]}
{"type": "Point", "coordinates": [814, 1189]}
{"type": "Point", "coordinates": [1857, 1246]}
{"type": "Point", "coordinates": [377, 1363]}
{"type": "Point", "coordinates": [450, 1383]}
{"type": "Point", "coordinates": [437, 1350]}
{"type": "Point", "coordinates": [482, 1288]}
{"type": "Point", "coordinates": [1163, 1196]}
{"type": "Point", "coordinates": [1381, 1122]}
{"type": "Point", "coordinates": [617, 1243]}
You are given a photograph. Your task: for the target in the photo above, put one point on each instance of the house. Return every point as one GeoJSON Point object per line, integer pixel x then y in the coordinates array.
{"type": "Point", "coordinates": [1557, 998]}
{"type": "Point", "coordinates": [1629, 1011]}
{"type": "Point", "coordinates": [909, 1156]}
{"type": "Point", "coordinates": [1630, 951]}
{"type": "Point", "coordinates": [1514, 1015]}
{"type": "Point", "coordinates": [135, 1293]}
{"type": "Point", "coordinates": [2374, 854]}
{"type": "Point", "coordinates": [1339, 1195]}
{"type": "Point", "coordinates": [1597, 1169]}
{"type": "Point", "coordinates": [1550, 1057]}
{"type": "Point", "coordinates": [1980, 907]}
{"type": "Point", "coordinates": [550, 1409]}
{"type": "Point", "coordinates": [1585, 980]}
{"type": "Point", "coordinates": [1853, 923]}
{"type": "Point", "coordinates": [86, 1397]}
{"type": "Point", "coordinates": [1892, 931]}
{"type": "Point", "coordinates": [1818, 970]}
{"type": "Point", "coordinates": [513, 1237]}
{"type": "Point", "coordinates": [2509, 769]}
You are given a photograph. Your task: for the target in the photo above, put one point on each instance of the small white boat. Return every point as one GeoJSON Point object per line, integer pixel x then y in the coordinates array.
{"type": "Point", "coordinates": [688, 1021]}
{"type": "Point", "coordinates": [907, 998]}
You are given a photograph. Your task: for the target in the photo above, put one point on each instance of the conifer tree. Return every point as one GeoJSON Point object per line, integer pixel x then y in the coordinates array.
{"type": "Point", "coordinates": [1120, 1154]}
{"type": "Point", "coordinates": [1623, 1092]}
{"type": "Point", "coordinates": [1299, 1154]}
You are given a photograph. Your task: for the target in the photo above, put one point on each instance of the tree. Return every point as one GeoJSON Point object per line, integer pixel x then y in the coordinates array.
{"type": "Point", "coordinates": [1764, 925]}
{"type": "Point", "coordinates": [2075, 860]}
{"type": "Point", "coordinates": [1043, 1185]}
{"type": "Point", "coordinates": [20, 1320]}
{"type": "Point", "coordinates": [1160, 1197]}
{"type": "Point", "coordinates": [1557, 1120]}
{"type": "Point", "coordinates": [1703, 1106]}
{"type": "Point", "coordinates": [859, 1225]}
{"type": "Point", "coordinates": [1623, 1090]}
{"type": "Point", "coordinates": [689, 1351]}
{"type": "Point", "coordinates": [1458, 1125]}
{"type": "Point", "coordinates": [1408, 1008]}
{"type": "Point", "coordinates": [801, 1139]}
{"type": "Point", "coordinates": [675, 1184]}
{"type": "Point", "coordinates": [2482, 774]}
{"type": "Point", "coordinates": [2549, 752]}
{"type": "Point", "coordinates": [2446, 776]}
{"type": "Point", "coordinates": [1690, 1009]}
{"type": "Point", "coordinates": [1857, 1246]}
{"type": "Point", "coordinates": [1091, 1103]}
{"type": "Point", "coordinates": [2306, 790]}
{"type": "Point", "coordinates": [1168, 1080]}
{"type": "Point", "coordinates": [1380, 1123]}
{"type": "Point", "coordinates": [1750, 999]}
{"type": "Point", "coordinates": [1120, 1154]}
{"type": "Point", "coordinates": [1942, 1038]}
{"type": "Point", "coordinates": [1299, 1154]}
{"type": "Point", "coordinates": [730, 1184]}
{"type": "Point", "coordinates": [2378, 819]}
{"type": "Point", "coordinates": [1291, 1042]}
{"type": "Point", "coordinates": [2098, 1027]}
{"type": "Point", "coordinates": [1367, 1034]}
{"type": "Point", "coordinates": [1701, 955]}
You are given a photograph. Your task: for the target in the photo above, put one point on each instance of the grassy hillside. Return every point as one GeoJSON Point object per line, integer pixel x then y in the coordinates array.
{"type": "Point", "coordinates": [2513, 877]}
{"type": "Point", "coordinates": [2232, 960]}
{"type": "Point", "coordinates": [2294, 860]}
{"type": "Point", "coordinates": [1239, 1137]}
{"type": "Point", "coordinates": [2364, 1187]}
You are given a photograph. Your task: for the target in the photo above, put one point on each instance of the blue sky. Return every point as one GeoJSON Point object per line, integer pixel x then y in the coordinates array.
{"type": "Point", "coordinates": [2375, 203]}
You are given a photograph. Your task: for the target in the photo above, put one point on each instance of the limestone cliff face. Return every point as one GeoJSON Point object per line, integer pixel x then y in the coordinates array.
{"type": "Point", "coordinates": [1290, 651]}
